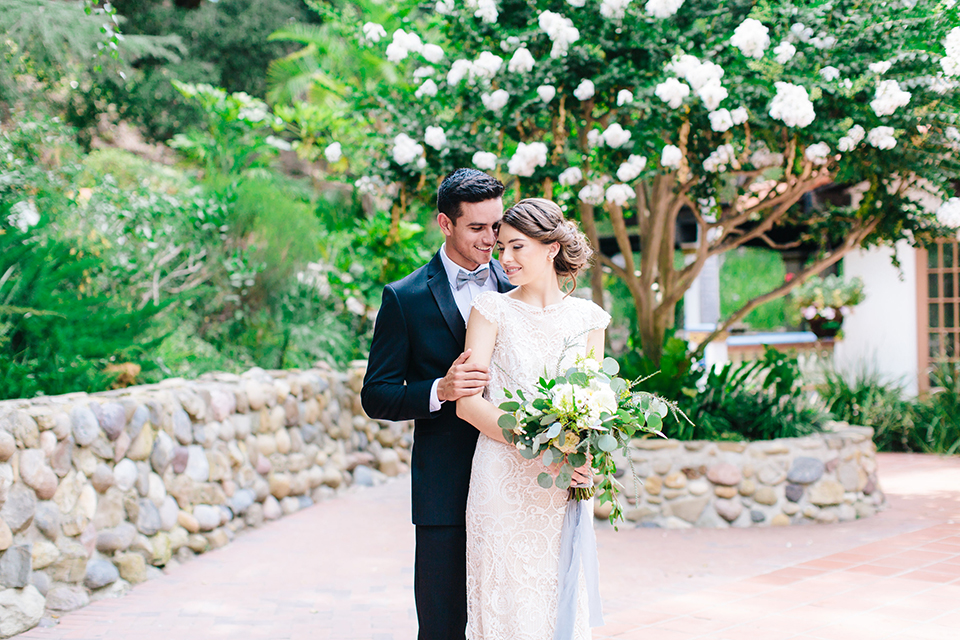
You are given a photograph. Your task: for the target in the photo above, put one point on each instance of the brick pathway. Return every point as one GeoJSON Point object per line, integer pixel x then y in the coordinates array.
{"type": "Point", "coordinates": [342, 570]}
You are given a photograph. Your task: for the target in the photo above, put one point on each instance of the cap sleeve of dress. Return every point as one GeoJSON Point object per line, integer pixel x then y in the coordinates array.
{"type": "Point", "coordinates": [598, 318]}
{"type": "Point", "coordinates": [489, 305]}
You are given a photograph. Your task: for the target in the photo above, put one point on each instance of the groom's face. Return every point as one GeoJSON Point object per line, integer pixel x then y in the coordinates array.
{"type": "Point", "coordinates": [470, 240]}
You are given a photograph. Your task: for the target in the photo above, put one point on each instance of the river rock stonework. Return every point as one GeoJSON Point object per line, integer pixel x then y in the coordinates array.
{"type": "Point", "coordinates": [822, 478]}
{"type": "Point", "coordinates": [100, 491]}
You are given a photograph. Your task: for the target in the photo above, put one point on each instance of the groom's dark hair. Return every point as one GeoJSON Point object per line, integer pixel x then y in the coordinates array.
{"type": "Point", "coordinates": [466, 185]}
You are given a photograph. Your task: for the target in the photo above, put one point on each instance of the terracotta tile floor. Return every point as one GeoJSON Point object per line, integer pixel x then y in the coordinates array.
{"type": "Point", "coordinates": [342, 570]}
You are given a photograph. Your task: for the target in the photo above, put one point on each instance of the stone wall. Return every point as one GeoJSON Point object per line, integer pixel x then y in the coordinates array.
{"type": "Point", "coordinates": [100, 491]}
{"type": "Point", "coordinates": [828, 477]}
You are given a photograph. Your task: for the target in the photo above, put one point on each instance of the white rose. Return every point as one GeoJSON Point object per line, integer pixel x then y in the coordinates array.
{"type": "Point", "coordinates": [495, 101]}
{"type": "Point", "coordinates": [672, 91]}
{"type": "Point", "coordinates": [432, 53]}
{"type": "Point", "coordinates": [570, 177]}
{"type": "Point", "coordinates": [751, 37]}
{"type": "Point", "coordinates": [485, 161]}
{"type": "Point", "coordinates": [428, 88]}
{"type": "Point", "coordinates": [436, 137]}
{"type": "Point", "coordinates": [584, 90]}
{"type": "Point", "coordinates": [592, 194]}
{"type": "Point", "coordinates": [546, 92]}
{"type": "Point", "coordinates": [721, 120]}
{"type": "Point", "coordinates": [333, 152]}
{"type": "Point", "coordinates": [373, 32]}
{"type": "Point", "coordinates": [618, 194]}
{"type": "Point", "coordinates": [521, 62]}
{"type": "Point", "coordinates": [605, 399]}
{"type": "Point", "coordinates": [784, 52]}
{"type": "Point", "coordinates": [882, 138]}
{"type": "Point", "coordinates": [624, 97]}
{"type": "Point", "coordinates": [792, 105]}
{"type": "Point", "coordinates": [818, 153]}
{"type": "Point", "coordinates": [615, 136]}
{"type": "Point", "coordinates": [671, 157]}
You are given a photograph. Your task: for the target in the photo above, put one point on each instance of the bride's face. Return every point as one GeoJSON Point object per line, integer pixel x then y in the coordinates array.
{"type": "Point", "coordinates": [524, 259]}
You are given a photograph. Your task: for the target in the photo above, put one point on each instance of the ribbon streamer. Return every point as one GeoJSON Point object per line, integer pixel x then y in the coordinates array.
{"type": "Point", "coordinates": [578, 545]}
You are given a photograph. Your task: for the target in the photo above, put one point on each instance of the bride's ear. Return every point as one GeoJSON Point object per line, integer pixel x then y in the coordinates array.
{"type": "Point", "coordinates": [554, 251]}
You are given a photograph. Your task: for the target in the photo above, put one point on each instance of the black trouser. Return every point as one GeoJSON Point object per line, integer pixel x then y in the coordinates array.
{"type": "Point", "coordinates": [440, 582]}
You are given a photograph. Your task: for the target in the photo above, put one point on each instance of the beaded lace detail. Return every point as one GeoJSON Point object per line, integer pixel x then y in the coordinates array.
{"type": "Point", "coordinates": [513, 524]}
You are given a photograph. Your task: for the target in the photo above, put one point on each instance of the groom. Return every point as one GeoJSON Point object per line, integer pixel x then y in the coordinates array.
{"type": "Point", "coordinates": [416, 371]}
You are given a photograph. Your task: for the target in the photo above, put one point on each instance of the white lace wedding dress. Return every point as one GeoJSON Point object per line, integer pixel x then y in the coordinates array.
{"type": "Point", "coordinates": [513, 524]}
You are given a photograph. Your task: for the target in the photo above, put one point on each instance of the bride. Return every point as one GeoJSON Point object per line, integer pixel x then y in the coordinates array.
{"type": "Point", "coordinates": [513, 524]}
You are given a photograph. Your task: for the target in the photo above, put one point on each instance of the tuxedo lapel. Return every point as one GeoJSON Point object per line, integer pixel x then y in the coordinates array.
{"type": "Point", "coordinates": [440, 288]}
{"type": "Point", "coordinates": [503, 283]}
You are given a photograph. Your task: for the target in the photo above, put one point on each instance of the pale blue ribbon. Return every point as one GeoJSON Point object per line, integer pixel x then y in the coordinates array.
{"type": "Point", "coordinates": [578, 544]}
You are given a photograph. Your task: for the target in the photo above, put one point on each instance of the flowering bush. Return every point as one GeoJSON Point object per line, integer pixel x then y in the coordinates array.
{"type": "Point", "coordinates": [829, 298]}
{"type": "Point", "coordinates": [728, 112]}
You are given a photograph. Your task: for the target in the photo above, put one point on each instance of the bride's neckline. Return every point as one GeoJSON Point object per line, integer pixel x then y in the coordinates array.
{"type": "Point", "coordinates": [534, 307]}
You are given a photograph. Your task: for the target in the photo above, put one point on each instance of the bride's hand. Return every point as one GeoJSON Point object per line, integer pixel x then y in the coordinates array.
{"type": "Point", "coordinates": [581, 475]}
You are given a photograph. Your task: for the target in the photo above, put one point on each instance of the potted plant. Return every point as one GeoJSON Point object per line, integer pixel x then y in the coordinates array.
{"type": "Point", "coordinates": [824, 302]}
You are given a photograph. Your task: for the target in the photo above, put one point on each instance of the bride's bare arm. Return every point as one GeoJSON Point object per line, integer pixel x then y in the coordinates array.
{"type": "Point", "coordinates": [481, 336]}
{"type": "Point", "coordinates": [595, 344]}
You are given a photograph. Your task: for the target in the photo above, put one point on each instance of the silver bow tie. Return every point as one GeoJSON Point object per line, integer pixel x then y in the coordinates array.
{"type": "Point", "coordinates": [477, 277]}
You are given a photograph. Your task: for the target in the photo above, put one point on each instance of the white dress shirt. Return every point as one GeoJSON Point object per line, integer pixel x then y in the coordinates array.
{"type": "Point", "coordinates": [464, 299]}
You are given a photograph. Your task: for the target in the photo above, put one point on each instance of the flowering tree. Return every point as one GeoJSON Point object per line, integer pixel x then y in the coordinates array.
{"type": "Point", "coordinates": [631, 113]}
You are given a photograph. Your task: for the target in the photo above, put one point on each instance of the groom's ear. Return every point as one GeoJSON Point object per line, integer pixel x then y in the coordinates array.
{"type": "Point", "coordinates": [446, 224]}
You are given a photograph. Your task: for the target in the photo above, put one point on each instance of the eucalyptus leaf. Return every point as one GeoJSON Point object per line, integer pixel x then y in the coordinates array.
{"type": "Point", "coordinates": [508, 435]}
{"type": "Point", "coordinates": [554, 430]}
{"type": "Point", "coordinates": [563, 481]}
{"type": "Point", "coordinates": [509, 406]}
{"type": "Point", "coordinates": [548, 419]}
{"type": "Point", "coordinates": [548, 457]}
{"type": "Point", "coordinates": [507, 421]}
{"type": "Point", "coordinates": [611, 367]}
{"type": "Point", "coordinates": [654, 421]}
{"type": "Point", "coordinates": [545, 480]}
{"type": "Point", "coordinates": [618, 385]}
{"type": "Point", "coordinates": [606, 443]}
{"type": "Point", "coordinates": [530, 452]}
{"type": "Point", "coordinates": [577, 459]}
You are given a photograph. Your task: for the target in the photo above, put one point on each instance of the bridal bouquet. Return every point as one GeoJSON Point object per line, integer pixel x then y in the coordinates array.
{"type": "Point", "coordinates": [585, 414]}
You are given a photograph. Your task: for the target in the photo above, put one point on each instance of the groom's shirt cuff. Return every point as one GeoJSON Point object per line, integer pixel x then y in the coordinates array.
{"type": "Point", "coordinates": [434, 398]}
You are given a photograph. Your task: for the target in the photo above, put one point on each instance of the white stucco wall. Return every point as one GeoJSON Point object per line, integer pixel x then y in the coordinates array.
{"type": "Point", "coordinates": [882, 332]}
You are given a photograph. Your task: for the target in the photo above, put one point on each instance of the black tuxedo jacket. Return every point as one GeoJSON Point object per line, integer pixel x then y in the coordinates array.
{"type": "Point", "coordinates": [418, 334]}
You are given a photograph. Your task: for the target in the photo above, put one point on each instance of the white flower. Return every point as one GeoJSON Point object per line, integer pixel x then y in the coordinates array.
{"type": "Point", "coordinates": [521, 62]}
{"type": "Point", "coordinates": [428, 88]}
{"type": "Point", "coordinates": [24, 215]}
{"type": "Point", "coordinates": [432, 53]}
{"type": "Point", "coordinates": [424, 72]}
{"type": "Point", "coordinates": [435, 137]}
{"type": "Point", "coordinates": [712, 94]}
{"type": "Point", "coordinates": [396, 53]}
{"type": "Point", "coordinates": [951, 61]}
{"type": "Point", "coordinates": [486, 65]}
{"type": "Point", "coordinates": [763, 157]}
{"type": "Point", "coordinates": [802, 32]}
{"type": "Point", "coordinates": [703, 73]}
{"type": "Point", "coordinates": [527, 158]}
{"type": "Point", "coordinates": [720, 120]}
{"type": "Point", "coordinates": [570, 176]}
{"type": "Point", "coordinates": [845, 310]}
{"type": "Point", "coordinates": [485, 160]}
{"type": "Point", "coordinates": [614, 9]}
{"type": "Point", "coordinates": [560, 30]}
{"type": "Point", "coordinates": [682, 65]}
{"type": "Point", "coordinates": [850, 141]}
{"type": "Point", "coordinates": [784, 52]}
{"type": "Point", "coordinates": [792, 105]}
{"type": "Point", "coordinates": [624, 97]}
{"type": "Point", "coordinates": [829, 73]}
{"type": "Point", "coordinates": [818, 153]}
{"type": "Point", "coordinates": [603, 399]}
{"type": "Point", "coordinates": [810, 312]}
{"type": "Point", "coordinates": [593, 138]}
{"type": "Point", "coordinates": [951, 67]}
{"type": "Point", "coordinates": [823, 42]}
{"type": "Point", "coordinates": [719, 159]}
{"type": "Point", "coordinates": [406, 149]}
{"type": "Point", "coordinates": [577, 3]}
{"type": "Point", "coordinates": [662, 8]}
{"type": "Point", "coordinates": [615, 136]}
{"type": "Point", "coordinates": [671, 157]}
{"type": "Point", "coordinates": [458, 70]}
{"type": "Point", "coordinates": [751, 37]}
{"type": "Point", "coordinates": [546, 92]}
{"type": "Point", "coordinates": [632, 168]}
{"type": "Point", "coordinates": [592, 194]}
{"type": "Point", "coordinates": [372, 32]}
{"type": "Point", "coordinates": [672, 91]}
{"type": "Point", "coordinates": [828, 313]}
{"type": "Point", "coordinates": [446, 7]}
{"type": "Point", "coordinates": [584, 90]}
{"type": "Point", "coordinates": [888, 98]}
{"type": "Point", "coordinates": [739, 115]}
{"type": "Point", "coordinates": [333, 152]}
{"type": "Point", "coordinates": [619, 194]}
{"type": "Point", "coordinates": [495, 101]}
{"type": "Point", "coordinates": [487, 11]}
{"type": "Point", "coordinates": [882, 138]}
{"type": "Point", "coordinates": [952, 134]}
{"type": "Point", "coordinates": [949, 213]}
{"type": "Point", "coordinates": [880, 68]}
{"type": "Point", "coordinates": [355, 307]}
{"type": "Point", "coordinates": [403, 43]}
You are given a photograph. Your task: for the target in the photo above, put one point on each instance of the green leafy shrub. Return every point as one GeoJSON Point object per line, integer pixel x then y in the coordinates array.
{"type": "Point", "coordinates": [866, 399]}
{"type": "Point", "coordinates": [938, 414]}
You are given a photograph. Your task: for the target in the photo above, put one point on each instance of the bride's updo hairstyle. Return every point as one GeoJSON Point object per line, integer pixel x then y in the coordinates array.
{"type": "Point", "coordinates": [543, 221]}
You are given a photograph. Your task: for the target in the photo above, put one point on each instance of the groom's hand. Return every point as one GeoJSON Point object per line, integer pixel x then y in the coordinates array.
{"type": "Point", "coordinates": [462, 379]}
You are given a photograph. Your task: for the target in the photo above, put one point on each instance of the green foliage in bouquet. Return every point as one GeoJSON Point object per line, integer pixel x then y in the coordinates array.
{"type": "Point", "coordinates": [582, 416]}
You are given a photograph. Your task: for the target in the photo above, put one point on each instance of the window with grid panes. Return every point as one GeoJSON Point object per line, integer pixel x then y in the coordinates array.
{"type": "Point", "coordinates": [939, 312]}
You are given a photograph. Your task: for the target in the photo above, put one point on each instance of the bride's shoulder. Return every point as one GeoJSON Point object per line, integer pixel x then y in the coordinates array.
{"type": "Point", "coordinates": [593, 314]}
{"type": "Point", "coordinates": [489, 304]}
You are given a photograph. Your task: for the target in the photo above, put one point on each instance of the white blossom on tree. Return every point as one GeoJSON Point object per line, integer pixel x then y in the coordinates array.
{"type": "Point", "coordinates": [373, 32]}
{"type": "Point", "coordinates": [527, 158]}
{"type": "Point", "coordinates": [546, 92]}
{"type": "Point", "coordinates": [615, 136]}
{"type": "Point", "coordinates": [880, 68]}
{"type": "Point", "coordinates": [333, 152]}
{"type": "Point", "coordinates": [853, 138]}
{"type": "Point", "coordinates": [751, 37]}
{"type": "Point", "coordinates": [614, 9]}
{"type": "Point", "coordinates": [570, 176]}
{"type": "Point", "coordinates": [739, 115]}
{"type": "Point", "coordinates": [792, 105]}
{"type": "Point", "coordinates": [671, 157]}
{"type": "Point", "coordinates": [889, 97]}
{"type": "Point", "coordinates": [720, 159]}
{"type": "Point", "coordinates": [949, 213]}
{"type": "Point", "coordinates": [818, 154]}
{"type": "Point", "coordinates": [721, 120]}
{"type": "Point", "coordinates": [712, 94]}
{"type": "Point", "coordinates": [624, 97]}
{"type": "Point", "coordinates": [435, 137]}
{"type": "Point", "coordinates": [672, 91]}
{"type": "Point", "coordinates": [784, 52]}
{"type": "Point", "coordinates": [829, 73]}
{"type": "Point", "coordinates": [633, 167]}
{"type": "Point", "coordinates": [406, 149]}
{"type": "Point", "coordinates": [486, 10]}
{"type": "Point", "coordinates": [486, 65]}
{"type": "Point", "coordinates": [619, 194]}
{"type": "Point", "coordinates": [592, 194]}
{"type": "Point", "coordinates": [429, 89]}
{"type": "Point", "coordinates": [432, 53]}
{"type": "Point", "coordinates": [584, 90]}
{"type": "Point", "coordinates": [495, 101]}
{"type": "Point", "coordinates": [882, 138]}
{"type": "Point", "coordinates": [485, 161]}
{"type": "Point", "coordinates": [560, 30]}
{"type": "Point", "coordinates": [521, 62]}
{"type": "Point", "coordinates": [662, 8]}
